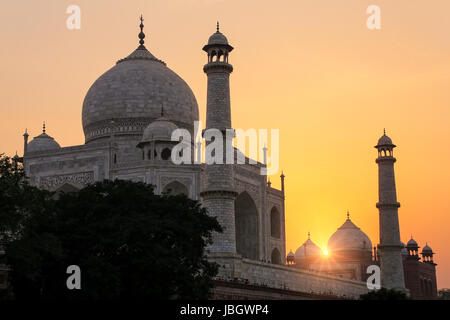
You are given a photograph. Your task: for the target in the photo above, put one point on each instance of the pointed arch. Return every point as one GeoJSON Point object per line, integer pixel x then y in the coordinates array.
{"type": "Point", "coordinates": [275, 256]}
{"type": "Point", "coordinates": [246, 226]}
{"type": "Point", "coordinates": [275, 223]}
{"type": "Point", "coordinates": [175, 188]}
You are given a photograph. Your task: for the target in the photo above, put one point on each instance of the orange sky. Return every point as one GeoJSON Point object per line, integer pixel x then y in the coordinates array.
{"type": "Point", "coordinates": [310, 68]}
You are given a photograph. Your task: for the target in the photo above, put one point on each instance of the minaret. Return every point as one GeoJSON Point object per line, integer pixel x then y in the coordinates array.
{"type": "Point", "coordinates": [25, 141]}
{"type": "Point", "coordinates": [390, 245]}
{"type": "Point", "coordinates": [218, 194]}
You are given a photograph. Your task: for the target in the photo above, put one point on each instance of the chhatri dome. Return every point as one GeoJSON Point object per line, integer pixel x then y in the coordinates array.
{"type": "Point", "coordinates": [42, 142]}
{"type": "Point", "coordinates": [384, 140]}
{"type": "Point", "coordinates": [218, 38]}
{"type": "Point", "coordinates": [349, 237]}
{"type": "Point", "coordinates": [129, 96]}
{"type": "Point", "coordinates": [159, 130]}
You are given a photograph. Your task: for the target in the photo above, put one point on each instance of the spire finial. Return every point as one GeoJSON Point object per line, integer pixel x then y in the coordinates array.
{"type": "Point", "coordinates": [43, 127]}
{"type": "Point", "coordinates": [348, 215]}
{"type": "Point", "coordinates": [384, 131]}
{"type": "Point", "coordinates": [218, 28]}
{"type": "Point", "coordinates": [141, 34]}
{"type": "Point", "coordinates": [309, 235]}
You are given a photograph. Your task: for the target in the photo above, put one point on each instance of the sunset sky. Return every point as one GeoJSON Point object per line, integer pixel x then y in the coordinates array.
{"type": "Point", "coordinates": [309, 68]}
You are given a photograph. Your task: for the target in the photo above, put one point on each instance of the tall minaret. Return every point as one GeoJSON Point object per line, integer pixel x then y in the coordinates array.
{"type": "Point", "coordinates": [218, 193]}
{"type": "Point", "coordinates": [390, 245]}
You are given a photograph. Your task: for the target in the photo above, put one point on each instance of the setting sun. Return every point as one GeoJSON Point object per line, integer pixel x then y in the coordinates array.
{"type": "Point", "coordinates": [325, 252]}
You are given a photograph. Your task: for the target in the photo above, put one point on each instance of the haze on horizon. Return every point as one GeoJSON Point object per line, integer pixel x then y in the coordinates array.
{"type": "Point", "coordinates": [311, 69]}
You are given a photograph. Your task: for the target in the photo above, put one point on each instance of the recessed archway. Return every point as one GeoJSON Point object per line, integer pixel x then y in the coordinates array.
{"type": "Point", "coordinates": [275, 223]}
{"type": "Point", "coordinates": [276, 256]}
{"type": "Point", "coordinates": [246, 224]}
{"type": "Point", "coordinates": [176, 188]}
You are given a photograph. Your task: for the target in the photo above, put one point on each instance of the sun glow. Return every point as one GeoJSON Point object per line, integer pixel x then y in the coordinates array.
{"type": "Point", "coordinates": [325, 252]}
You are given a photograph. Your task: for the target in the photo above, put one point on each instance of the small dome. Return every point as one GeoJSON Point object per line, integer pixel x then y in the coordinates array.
{"type": "Point", "coordinates": [412, 243]}
{"type": "Point", "coordinates": [427, 249]}
{"type": "Point", "coordinates": [384, 140]}
{"type": "Point", "coordinates": [349, 237]}
{"type": "Point", "coordinates": [308, 248]}
{"type": "Point", "coordinates": [291, 254]}
{"type": "Point", "coordinates": [218, 38]}
{"type": "Point", "coordinates": [161, 129]}
{"type": "Point", "coordinates": [42, 142]}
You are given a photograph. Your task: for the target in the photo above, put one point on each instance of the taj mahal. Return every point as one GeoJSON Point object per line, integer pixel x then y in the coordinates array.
{"type": "Point", "coordinates": [128, 116]}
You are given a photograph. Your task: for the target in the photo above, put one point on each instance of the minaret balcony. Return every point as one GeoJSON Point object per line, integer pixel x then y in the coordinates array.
{"type": "Point", "coordinates": [381, 205]}
{"type": "Point", "coordinates": [218, 66]}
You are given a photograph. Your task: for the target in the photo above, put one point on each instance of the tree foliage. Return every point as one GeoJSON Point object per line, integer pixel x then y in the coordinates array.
{"type": "Point", "coordinates": [128, 242]}
{"type": "Point", "coordinates": [384, 294]}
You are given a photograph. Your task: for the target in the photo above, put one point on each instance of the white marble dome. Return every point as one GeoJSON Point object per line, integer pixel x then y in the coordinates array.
{"type": "Point", "coordinates": [129, 96]}
{"type": "Point", "coordinates": [159, 130]}
{"type": "Point", "coordinates": [349, 237]}
{"type": "Point", "coordinates": [42, 142]}
{"type": "Point", "coordinates": [309, 248]}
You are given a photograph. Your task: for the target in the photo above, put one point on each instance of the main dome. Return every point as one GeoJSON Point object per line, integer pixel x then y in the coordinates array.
{"type": "Point", "coordinates": [349, 237]}
{"type": "Point", "coordinates": [130, 95]}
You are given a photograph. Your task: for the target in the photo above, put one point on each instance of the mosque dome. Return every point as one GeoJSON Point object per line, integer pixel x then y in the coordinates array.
{"type": "Point", "coordinates": [427, 249]}
{"type": "Point", "coordinates": [412, 243]}
{"type": "Point", "coordinates": [129, 96]}
{"type": "Point", "coordinates": [309, 248]}
{"type": "Point", "coordinates": [42, 142]}
{"type": "Point", "coordinates": [349, 237]}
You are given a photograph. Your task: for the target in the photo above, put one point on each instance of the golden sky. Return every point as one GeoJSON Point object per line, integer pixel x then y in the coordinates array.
{"type": "Point", "coordinates": [310, 68]}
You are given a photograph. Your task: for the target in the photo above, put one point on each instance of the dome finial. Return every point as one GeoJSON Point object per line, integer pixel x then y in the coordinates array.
{"type": "Point", "coordinates": [43, 127]}
{"type": "Point", "coordinates": [141, 34]}
{"type": "Point", "coordinates": [384, 131]}
{"type": "Point", "coordinates": [348, 215]}
{"type": "Point", "coordinates": [309, 235]}
{"type": "Point", "coordinates": [218, 26]}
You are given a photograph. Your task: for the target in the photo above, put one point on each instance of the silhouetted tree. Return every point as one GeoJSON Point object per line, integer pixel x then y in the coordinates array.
{"type": "Point", "coordinates": [444, 294]}
{"type": "Point", "coordinates": [128, 242]}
